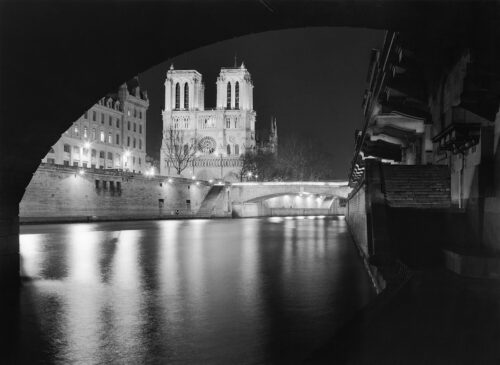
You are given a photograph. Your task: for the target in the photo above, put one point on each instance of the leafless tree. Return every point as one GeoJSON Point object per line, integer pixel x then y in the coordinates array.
{"type": "Point", "coordinates": [180, 152]}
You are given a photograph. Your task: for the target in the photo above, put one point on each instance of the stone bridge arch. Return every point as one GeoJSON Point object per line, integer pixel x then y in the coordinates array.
{"type": "Point", "coordinates": [58, 58]}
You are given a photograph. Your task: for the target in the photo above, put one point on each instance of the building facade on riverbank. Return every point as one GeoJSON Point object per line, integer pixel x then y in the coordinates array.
{"type": "Point", "coordinates": [110, 135]}
{"type": "Point", "coordinates": [222, 134]}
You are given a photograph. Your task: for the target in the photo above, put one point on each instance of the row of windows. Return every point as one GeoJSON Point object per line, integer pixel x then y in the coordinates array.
{"type": "Point", "coordinates": [104, 185]}
{"type": "Point", "coordinates": [135, 127]}
{"type": "Point", "coordinates": [204, 123]}
{"type": "Point", "coordinates": [110, 117]}
{"type": "Point", "coordinates": [93, 154]}
{"type": "Point", "coordinates": [102, 136]}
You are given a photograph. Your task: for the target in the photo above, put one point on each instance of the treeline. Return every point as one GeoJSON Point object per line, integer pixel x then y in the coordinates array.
{"type": "Point", "coordinates": [299, 158]}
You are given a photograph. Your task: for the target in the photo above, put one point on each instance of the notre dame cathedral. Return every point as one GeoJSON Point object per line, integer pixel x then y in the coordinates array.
{"type": "Point", "coordinates": [222, 134]}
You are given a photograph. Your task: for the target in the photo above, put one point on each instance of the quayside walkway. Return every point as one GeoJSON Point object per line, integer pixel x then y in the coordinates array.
{"type": "Point", "coordinates": [436, 317]}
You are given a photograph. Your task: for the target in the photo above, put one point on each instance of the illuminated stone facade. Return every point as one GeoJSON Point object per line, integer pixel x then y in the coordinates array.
{"type": "Point", "coordinates": [110, 135]}
{"type": "Point", "coordinates": [223, 134]}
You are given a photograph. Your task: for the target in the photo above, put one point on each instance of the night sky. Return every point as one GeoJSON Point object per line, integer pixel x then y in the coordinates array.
{"type": "Point", "coordinates": [311, 79]}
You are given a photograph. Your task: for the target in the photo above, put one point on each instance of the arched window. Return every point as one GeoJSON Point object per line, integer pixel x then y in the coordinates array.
{"type": "Point", "coordinates": [237, 95]}
{"type": "Point", "coordinates": [228, 149]}
{"type": "Point", "coordinates": [186, 96]}
{"type": "Point", "coordinates": [177, 96]}
{"type": "Point", "coordinates": [228, 95]}
{"type": "Point", "coordinates": [236, 149]}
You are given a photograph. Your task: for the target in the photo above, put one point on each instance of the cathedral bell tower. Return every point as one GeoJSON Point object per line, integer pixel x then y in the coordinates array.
{"type": "Point", "coordinates": [234, 89]}
{"type": "Point", "coordinates": [184, 90]}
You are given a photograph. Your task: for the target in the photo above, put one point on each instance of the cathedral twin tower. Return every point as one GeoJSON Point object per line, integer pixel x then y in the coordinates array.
{"type": "Point", "coordinates": [222, 134]}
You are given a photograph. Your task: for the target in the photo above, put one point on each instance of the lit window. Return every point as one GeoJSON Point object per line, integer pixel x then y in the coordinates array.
{"type": "Point", "coordinates": [228, 104]}
{"type": "Point", "coordinates": [102, 136]}
{"type": "Point", "coordinates": [85, 132]}
{"type": "Point", "coordinates": [93, 134]}
{"type": "Point", "coordinates": [76, 130]}
{"type": "Point", "coordinates": [110, 138]}
{"type": "Point", "coordinates": [85, 152]}
{"type": "Point", "coordinates": [128, 112]}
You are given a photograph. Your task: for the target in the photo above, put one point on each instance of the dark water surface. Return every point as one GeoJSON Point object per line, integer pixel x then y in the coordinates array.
{"type": "Point", "coordinates": [246, 291]}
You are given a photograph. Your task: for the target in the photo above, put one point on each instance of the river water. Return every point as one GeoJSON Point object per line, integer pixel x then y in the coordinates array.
{"type": "Point", "coordinates": [248, 291]}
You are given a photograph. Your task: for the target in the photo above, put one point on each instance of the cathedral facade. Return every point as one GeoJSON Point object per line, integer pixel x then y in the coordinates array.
{"type": "Point", "coordinates": [221, 135]}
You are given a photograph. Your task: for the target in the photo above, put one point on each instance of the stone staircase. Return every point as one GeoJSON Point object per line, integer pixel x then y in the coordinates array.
{"type": "Point", "coordinates": [416, 186]}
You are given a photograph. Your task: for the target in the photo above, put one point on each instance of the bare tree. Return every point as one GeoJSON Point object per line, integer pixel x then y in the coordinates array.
{"type": "Point", "coordinates": [180, 152]}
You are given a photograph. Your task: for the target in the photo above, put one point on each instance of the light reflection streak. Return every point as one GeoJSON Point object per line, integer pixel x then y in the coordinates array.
{"type": "Point", "coordinates": [31, 254]}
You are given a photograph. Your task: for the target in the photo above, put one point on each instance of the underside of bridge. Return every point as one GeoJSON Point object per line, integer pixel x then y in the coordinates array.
{"type": "Point", "coordinates": [58, 58]}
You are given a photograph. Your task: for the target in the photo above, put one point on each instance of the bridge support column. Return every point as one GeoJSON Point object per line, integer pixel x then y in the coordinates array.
{"type": "Point", "coordinates": [9, 245]}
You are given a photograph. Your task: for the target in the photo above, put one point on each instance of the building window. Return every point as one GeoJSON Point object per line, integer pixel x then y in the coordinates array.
{"type": "Point", "coordinates": [236, 149]}
{"type": "Point", "coordinates": [101, 154]}
{"type": "Point", "coordinates": [85, 115]}
{"type": "Point", "coordinates": [102, 118]}
{"type": "Point", "coordinates": [75, 163]}
{"type": "Point", "coordinates": [135, 127]}
{"type": "Point", "coordinates": [76, 152]}
{"type": "Point", "coordinates": [93, 134]}
{"type": "Point", "coordinates": [66, 163]}
{"type": "Point", "coordinates": [128, 141]}
{"type": "Point", "coordinates": [135, 113]}
{"type": "Point", "coordinates": [86, 152]}
{"type": "Point", "coordinates": [102, 136]}
{"type": "Point", "coordinates": [228, 149]}
{"type": "Point", "coordinates": [186, 96]}
{"type": "Point", "coordinates": [110, 138]}
{"type": "Point", "coordinates": [85, 134]}
{"type": "Point", "coordinates": [67, 148]}
{"type": "Point", "coordinates": [177, 96]}
{"type": "Point", "coordinates": [110, 156]}
{"type": "Point", "coordinates": [117, 123]}
{"type": "Point", "coordinates": [76, 130]}
{"type": "Point", "coordinates": [117, 139]}
{"type": "Point", "coordinates": [94, 115]}
{"type": "Point", "coordinates": [134, 142]}
{"type": "Point", "coordinates": [93, 153]}
{"type": "Point", "coordinates": [228, 104]}
{"type": "Point", "coordinates": [128, 112]}
{"type": "Point", "coordinates": [97, 184]}
{"type": "Point", "coordinates": [110, 120]}
{"type": "Point", "coordinates": [51, 161]}
{"type": "Point", "coordinates": [118, 186]}
{"type": "Point", "coordinates": [140, 128]}
{"type": "Point", "coordinates": [237, 95]}
{"type": "Point", "coordinates": [104, 182]}
{"type": "Point", "coordinates": [140, 114]}
{"type": "Point", "coordinates": [112, 185]}
{"type": "Point", "coordinates": [228, 122]}
{"type": "Point", "coordinates": [140, 144]}
{"type": "Point", "coordinates": [128, 125]}
{"type": "Point", "coordinates": [236, 122]}
{"type": "Point", "coordinates": [161, 202]}
{"type": "Point", "coordinates": [133, 160]}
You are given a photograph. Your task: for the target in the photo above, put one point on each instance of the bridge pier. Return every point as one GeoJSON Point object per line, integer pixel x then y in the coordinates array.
{"type": "Point", "coordinates": [9, 245]}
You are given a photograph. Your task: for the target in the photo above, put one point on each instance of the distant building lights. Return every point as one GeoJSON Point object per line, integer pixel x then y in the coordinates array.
{"type": "Point", "coordinates": [87, 145]}
{"type": "Point", "coordinates": [210, 181]}
{"type": "Point", "coordinates": [197, 183]}
{"type": "Point", "coordinates": [170, 180]}
{"type": "Point", "coordinates": [193, 177]}
{"type": "Point", "coordinates": [81, 172]}
{"type": "Point", "coordinates": [249, 173]}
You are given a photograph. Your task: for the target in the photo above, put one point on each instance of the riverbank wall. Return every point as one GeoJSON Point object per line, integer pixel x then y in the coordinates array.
{"type": "Point", "coordinates": [64, 194]}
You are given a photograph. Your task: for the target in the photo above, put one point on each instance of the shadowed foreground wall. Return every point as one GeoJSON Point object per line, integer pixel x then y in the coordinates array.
{"type": "Point", "coordinates": [59, 193]}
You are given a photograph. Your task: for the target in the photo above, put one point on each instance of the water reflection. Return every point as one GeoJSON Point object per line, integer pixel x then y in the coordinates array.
{"type": "Point", "coordinates": [201, 291]}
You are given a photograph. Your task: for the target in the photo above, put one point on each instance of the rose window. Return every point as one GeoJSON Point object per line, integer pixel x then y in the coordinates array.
{"type": "Point", "coordinates": [207, 145]}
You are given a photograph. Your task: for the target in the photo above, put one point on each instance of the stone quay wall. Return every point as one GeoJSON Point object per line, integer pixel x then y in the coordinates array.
{"type": "Point", "coordinates": [357, 219]}
{"type": "Point", "coordinates": [63, 193]}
